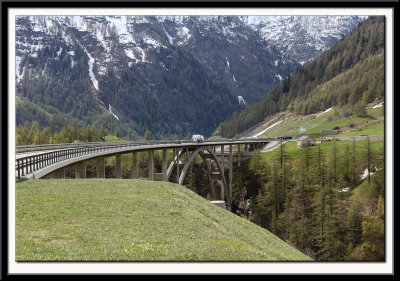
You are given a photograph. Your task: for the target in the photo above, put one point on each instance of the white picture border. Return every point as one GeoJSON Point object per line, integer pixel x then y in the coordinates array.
{"type": "Point", "coordinates": [202, 267]}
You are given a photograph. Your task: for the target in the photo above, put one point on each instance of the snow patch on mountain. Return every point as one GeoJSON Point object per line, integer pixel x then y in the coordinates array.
{"type": "Point", "coordinates": [18, 72]}
{"type": "Point", "coordinates": [241, 100]}
{"type": "Point", "coordinates": [143, 54]}
{"type": "Point", "coordinates": [184, 35]}
{"type": "Point", "coordinates": [151, 42]}
{"type": "Point", "coordinates": [279, 77]}
{"type": "Point", "coordinates": [59, 52]}
{"type": "Point", "coordinates": [113, 114]}
{"type": "Point", "coordinates": [303, 37]}
{"type": "Point", "coordinates": [170, 38]}
{"type": "Point", "coordinates": [227, 62]}
{"type": "Point", "coordinates": [234, 80]}
{"type": "Point", "coordinates": [91, 74]}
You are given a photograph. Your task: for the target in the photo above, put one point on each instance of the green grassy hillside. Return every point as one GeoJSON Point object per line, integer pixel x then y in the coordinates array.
{"type": "Point", "coordinates": [133, 220]}
{"type": "Point", "coordinates": [370, 124]}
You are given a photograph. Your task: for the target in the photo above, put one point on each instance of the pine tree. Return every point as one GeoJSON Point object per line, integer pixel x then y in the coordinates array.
{"type": "Point", "coordinates": [52, 127]}
{"type": "Point", "coordinates": [117, 132]}
{"type": "Point", "coordinates": [147, 135]}
{"type": "Point", "coordinates": [354, 161]}
{"type": "Point", "coordinates": [334, 159]}
{"type": "Point", "coordinates": [322, 213]}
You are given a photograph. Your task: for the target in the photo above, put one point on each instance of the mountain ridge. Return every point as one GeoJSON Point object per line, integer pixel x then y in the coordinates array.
{"type": "Point", "coordinates": [101, 56]}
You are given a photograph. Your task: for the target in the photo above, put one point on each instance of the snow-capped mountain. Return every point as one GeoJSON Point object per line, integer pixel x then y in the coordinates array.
{"type": "Point", "coordinates": [303, 37]}
{"type": "Point", "coordinates": [226, 44]}
{"type": "Point", "coordinates": [167, 74]}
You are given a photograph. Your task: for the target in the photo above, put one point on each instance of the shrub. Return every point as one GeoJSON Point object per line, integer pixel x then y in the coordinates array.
{"type": "Point", "coordinates": [346, 112]}
{"type": "Point", "coordinates": [361, 109]}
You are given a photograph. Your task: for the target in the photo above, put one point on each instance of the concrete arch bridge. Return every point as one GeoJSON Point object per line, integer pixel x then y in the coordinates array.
{"type": "Point", "coordinates": [51, 161]}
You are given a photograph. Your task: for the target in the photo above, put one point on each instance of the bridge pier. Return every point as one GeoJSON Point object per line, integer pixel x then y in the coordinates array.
{"type": "Point", "coordinates": [230, 171]}
{"type": "Point", "coordinates": [177, 165]}
{"type": "Point", "coordinates": [135, 165]}
{"type": "Point", "coordinates": [239, 158]}
{"type": "Point", "coordinates": [80, 170]}
{"type": "Point", "coordinates": [222, 170]}
{"type": "Point", "coordinates": [151, 164]}
{"type": "Point", "coordinates": [100, 168]}
{"type": "Point", "coordinates": [164, 165]}
{"type": "Point", "coordinates": [118, 166]}
{"type": "Point", "coordinates": [210, 178]}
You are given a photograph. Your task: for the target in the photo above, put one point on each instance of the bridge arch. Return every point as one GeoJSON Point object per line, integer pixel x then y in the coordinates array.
{"type": "Point", "coordinates": [201, 151]}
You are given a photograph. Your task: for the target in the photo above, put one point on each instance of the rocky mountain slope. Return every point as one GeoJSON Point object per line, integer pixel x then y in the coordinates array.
{"type": "Point", "coordinates": [303, 37]}
{"type": "Point", "coordinates": [171, 75]}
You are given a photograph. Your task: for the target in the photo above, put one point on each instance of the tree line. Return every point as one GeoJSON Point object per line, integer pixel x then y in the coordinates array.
{"type": "Point", "coordinates": [31, 134]}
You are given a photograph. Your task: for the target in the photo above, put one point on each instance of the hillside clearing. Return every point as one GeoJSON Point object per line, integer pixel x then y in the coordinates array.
{"type": "Point", "coordinates": [134, 220]}
{"type": "Point", "coordinates": [291, 124]}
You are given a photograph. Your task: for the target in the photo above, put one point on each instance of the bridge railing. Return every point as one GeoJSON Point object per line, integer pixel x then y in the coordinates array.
{"type": "Point", "coordinates": [29, 164]}
{"type": "Point", "coordinates": [43, 147]}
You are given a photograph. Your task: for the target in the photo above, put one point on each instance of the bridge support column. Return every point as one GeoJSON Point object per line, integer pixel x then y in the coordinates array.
{"type": "Point", "coordinates": [239, 156]}
{"type": "Point", "coordinates": [151, 165]}
{"type": "Point", "coordinates": [118, 166]}
{"type": "Point", "coordinates": [80, 170]}
{"type": "Point", "coordinates": [222, 170]}
{"type": "Point", "coordinates": [164, 165]}
{"type": "Point", "coordinates": [177, 166]}
{"type": "Point", "coordinates": [100, 168]}
{"type": "Point", "coordinates": [210, 179]}
{"type": "Point", "coordinates": [230, 170]}
{"type": "Point", "coordinates": [135, 165]}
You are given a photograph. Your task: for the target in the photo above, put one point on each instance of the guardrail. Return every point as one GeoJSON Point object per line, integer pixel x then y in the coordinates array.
{"type": "Point", "coordinates": [32, 163]}
{"type": "Point", "coordinates": [29, 164]}
{"type": "Point", "coordinates": [31, 148]}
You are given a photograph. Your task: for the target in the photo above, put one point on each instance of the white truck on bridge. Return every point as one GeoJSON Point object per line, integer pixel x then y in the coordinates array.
{"type": "Point", "coordinates": [198, 138]}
